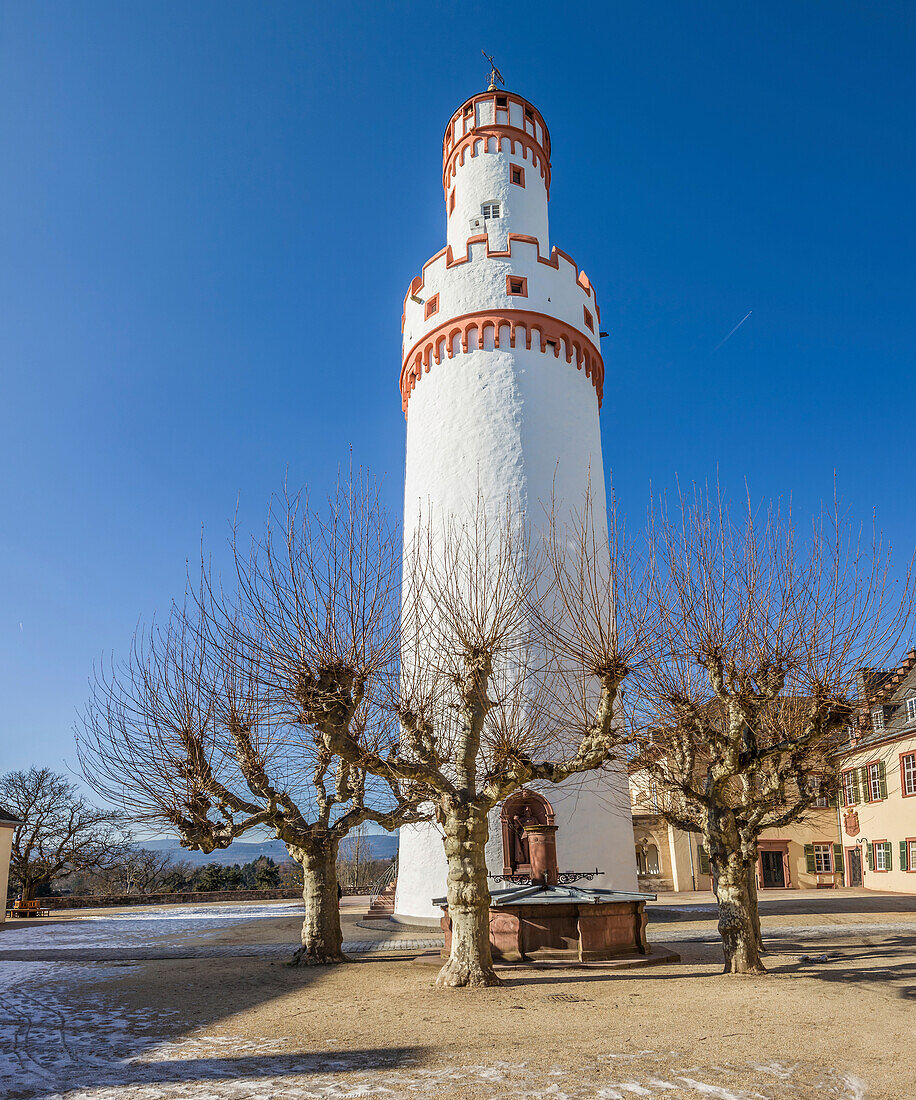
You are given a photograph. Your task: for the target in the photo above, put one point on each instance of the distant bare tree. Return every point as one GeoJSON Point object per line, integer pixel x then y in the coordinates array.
{"type": "Point", "coordinates": [61, 834]}
{"type": "Point", "coordinates": [512, 658]}
{"type": "Point", "coordinates": [203, 727]}
{"type": "Point", "coordinates": [746, 691]}
{"type": "Point", "coordinates": [139, 870]}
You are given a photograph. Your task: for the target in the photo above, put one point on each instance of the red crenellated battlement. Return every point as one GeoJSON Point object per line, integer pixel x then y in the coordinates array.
{"type": "Point", "coordinates": [451, 260]}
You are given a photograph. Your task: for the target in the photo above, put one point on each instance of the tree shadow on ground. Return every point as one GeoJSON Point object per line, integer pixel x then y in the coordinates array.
{"type": "Point", "coordinates": [72, 1023]}
{"type": "Point", "coordinates": [175, 1071]}
{"type": "Point", "coordinates": [787, 905]}
{"type": "Point", "coordinates": [890, 962]}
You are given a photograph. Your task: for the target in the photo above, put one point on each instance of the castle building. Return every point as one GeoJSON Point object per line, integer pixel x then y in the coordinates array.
{"type": "Point", "coordinates": [864, 836]}
{"type": "Point", "coordinates": [501, 385]}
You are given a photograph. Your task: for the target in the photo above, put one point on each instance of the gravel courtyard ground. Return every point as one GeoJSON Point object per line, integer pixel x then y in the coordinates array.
{"type": "Point", "coordinates": [167, 1004]}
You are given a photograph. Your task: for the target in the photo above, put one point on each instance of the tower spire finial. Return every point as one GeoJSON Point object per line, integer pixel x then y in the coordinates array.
{"type": "Point", "coordinates": [496, 77]}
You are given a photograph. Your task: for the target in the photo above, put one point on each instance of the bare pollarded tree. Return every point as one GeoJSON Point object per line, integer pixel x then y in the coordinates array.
{"type": "Point", "coordinates": [747, 687]}
{"type": "Point", "coordinates": [202, 728]}
{"type": "Point", "coordinates": [512, 659]}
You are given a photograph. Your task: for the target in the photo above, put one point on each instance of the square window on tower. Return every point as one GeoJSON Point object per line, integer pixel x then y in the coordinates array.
{"type": "Point", "coordinates": [502, 101]}
{"type": "Point", "coordinates": [491, 210]}
{"type": "Point", "coordinates": [432, 305]}
{"type": "Point", "coordinates": [589, 320]}
{"type": "Point", "coordinates": [517, 175]}
{"type": "Point", "coordinates": [517, 286]}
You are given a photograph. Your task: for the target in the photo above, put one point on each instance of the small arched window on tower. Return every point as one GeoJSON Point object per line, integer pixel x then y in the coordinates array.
{"type": "Point", "coordinates": [491, 210]}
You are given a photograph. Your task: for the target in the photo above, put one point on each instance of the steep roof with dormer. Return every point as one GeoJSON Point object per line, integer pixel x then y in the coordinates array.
{"type": "Point", "coordinates": [883, 712]}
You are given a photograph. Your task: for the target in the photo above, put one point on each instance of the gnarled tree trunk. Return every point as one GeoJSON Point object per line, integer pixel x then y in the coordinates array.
{"type": "Point", "coordinates": [755, 906]}
{"type": "Point", "coordinates": [28, 889]}
{"type": "Point", "coordinates": [736, 918]}
{"type": "Point", "coordinates": [322, 941]}
{"type": "Point", "coordinates": [470, 961]}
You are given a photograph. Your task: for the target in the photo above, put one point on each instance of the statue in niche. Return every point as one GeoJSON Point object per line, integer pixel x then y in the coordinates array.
{"type": "Point", "coordinates": [521, 810]}
{"type": "Point", "coordinates": [519, 854]}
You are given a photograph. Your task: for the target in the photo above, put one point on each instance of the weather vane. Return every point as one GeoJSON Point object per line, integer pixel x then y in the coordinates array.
{"type": "Point", "coordinates": [495, 75]}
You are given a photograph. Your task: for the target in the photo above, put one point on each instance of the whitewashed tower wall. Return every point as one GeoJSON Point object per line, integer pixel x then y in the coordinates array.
{"type": "Point", "coordinates": [501, 384]}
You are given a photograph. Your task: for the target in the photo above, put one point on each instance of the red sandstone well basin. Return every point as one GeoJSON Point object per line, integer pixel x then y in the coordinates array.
{"type": "Point", "coordinates": [553, 923]}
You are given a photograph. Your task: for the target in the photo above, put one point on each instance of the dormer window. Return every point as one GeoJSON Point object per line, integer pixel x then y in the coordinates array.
{"type": "Point", "coordinates": [877, 719]}
{"type": "Point", "coordinates": [911, 709]}
{"type": "Point", "coordinates": [491, 210]}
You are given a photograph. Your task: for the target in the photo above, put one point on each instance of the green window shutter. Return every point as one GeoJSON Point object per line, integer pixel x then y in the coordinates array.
{"type": "Point", "coordinates": [882, 780]}
{"type": "Point", "coordinates": [869, 855]}
{"type": "Point", "coordinates": [863, 783]}
{"type": "Point", "coordinates": [838, 858]}
{"type": "Point", "coordinates": [833, 798]}
{"type": "Point", "coordinates": [703, 859]}
{"type": "Point", "coordinates": [904, 862]}
{"type": "Point", "coordinates": [887, 854]}
{"type": "Point", "coordinates": [856, 786]}
{"type": "Point", "coordinates": [809, 858]}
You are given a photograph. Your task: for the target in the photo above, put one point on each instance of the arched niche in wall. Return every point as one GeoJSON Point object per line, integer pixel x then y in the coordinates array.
{"type": "Point", "coordinates": [521, 809]}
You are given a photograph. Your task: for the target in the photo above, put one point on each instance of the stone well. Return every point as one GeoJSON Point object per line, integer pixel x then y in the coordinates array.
{"type": "Point", "coordinates": [548, 919]}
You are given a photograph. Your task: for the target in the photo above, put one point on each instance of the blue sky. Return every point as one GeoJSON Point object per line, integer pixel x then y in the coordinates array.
{"type": "Point", "coordinates": [211, 212]}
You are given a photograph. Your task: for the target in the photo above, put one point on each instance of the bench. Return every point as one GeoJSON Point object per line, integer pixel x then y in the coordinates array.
{"type": "Point", "coordinates": [27, 909]}
{"type": "Point", "coordinates": [827, 880]}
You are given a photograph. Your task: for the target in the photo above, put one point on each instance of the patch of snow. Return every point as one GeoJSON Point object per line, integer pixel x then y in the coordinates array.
{"type": "Point", "coordinates": [133, 929]}
{"type": "Point", "coordinates": [713, 1090]}
{"type": "Point", "coordinates": [855, 1088]}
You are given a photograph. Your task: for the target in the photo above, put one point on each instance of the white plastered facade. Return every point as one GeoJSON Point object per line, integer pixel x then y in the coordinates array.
{"type": "Point", "coordinates": [513, 424]}
{"type": "Point", "coordinates": [6, 844]}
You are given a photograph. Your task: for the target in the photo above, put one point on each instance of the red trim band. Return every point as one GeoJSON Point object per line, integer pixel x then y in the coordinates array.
{"type": "Point", "coordinates": [495, 133]}
{"type": "Point", "coordinates": [441, 341]}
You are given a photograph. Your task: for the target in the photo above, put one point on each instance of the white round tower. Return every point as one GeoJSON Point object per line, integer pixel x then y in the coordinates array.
{"type": "Point", "coordinates": [501, 385]}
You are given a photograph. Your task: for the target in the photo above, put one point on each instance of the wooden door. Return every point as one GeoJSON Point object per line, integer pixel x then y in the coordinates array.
{"type": "Point", "coordinates": [772, 873]}
{"type": "Point", "coordinates": [854, 858]}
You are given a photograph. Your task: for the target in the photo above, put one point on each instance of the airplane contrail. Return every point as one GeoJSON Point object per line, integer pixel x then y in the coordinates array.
{"type": "Point", "coordinates": [733, 331]}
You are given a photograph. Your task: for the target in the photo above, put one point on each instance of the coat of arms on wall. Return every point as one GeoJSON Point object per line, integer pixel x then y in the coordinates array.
{"type": "Point", "coordinates": [851, 822]}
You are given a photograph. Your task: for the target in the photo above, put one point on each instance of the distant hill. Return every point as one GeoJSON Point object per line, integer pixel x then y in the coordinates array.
{"type": "Point", "coordinates": [375, 846]}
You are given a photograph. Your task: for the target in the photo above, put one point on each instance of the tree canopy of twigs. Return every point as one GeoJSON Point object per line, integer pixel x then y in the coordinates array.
{"type": "Point", "coordinates": [749, 679]}
{"type": "Point", "coordinates": [512, 655]}
{"type": "Point", "coordinates": [214, 723]}
{"type": "Point", "coordinates": [61, 833]}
